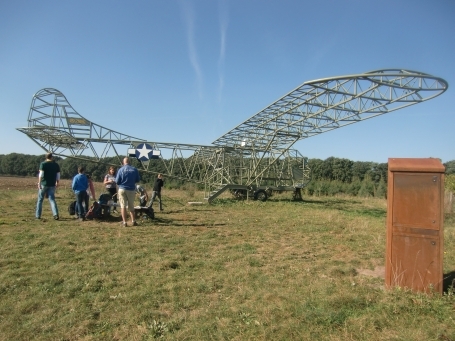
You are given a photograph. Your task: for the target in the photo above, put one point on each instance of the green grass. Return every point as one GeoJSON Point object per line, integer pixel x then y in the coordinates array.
{"type": "Point", "coordinates": [236, 270]}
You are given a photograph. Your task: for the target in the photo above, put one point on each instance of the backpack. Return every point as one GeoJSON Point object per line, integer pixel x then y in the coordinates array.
{"type": "Point", "coordinates": [72, 208]}
{"type": "Point", "coordinates": [94, 211]}
{"type": "Point", "coordinates": [104, 198]}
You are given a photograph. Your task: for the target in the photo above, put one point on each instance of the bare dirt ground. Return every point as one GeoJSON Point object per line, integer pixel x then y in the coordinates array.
{"type": "Point", "coordinates": [379, 271]}
{"type": "Point", "coordinates": [21, 183]}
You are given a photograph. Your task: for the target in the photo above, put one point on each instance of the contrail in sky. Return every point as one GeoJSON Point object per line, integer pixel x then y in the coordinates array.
{"type": "Point", "coordinates": [223, 15]}
{"type": "Point", "coordinates": [189, 17]}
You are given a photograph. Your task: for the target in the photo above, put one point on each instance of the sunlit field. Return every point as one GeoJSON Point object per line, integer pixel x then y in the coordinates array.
{"type": "Point", "coordinates": [233, 270]}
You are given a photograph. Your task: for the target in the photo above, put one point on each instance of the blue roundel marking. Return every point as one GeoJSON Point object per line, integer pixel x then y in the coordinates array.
{"type": "Point", "coordinates": [144, 152]}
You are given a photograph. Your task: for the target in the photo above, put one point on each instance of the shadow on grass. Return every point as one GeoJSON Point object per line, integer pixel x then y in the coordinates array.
{"type": "Point", "coordinates": [323, 202]}
{"type": "Point", "coordinates": [227, 201]}
{"type": "Point", "coordinates": [449, 282]}
{"type": "Point", "coordinates": [198, 209]}
{"type": "Point", "coordinates": [449, 219]}
{"type": "Point", "coordinates": [350, 206]}
{"type": "Point", "coordinates": [163, 222]}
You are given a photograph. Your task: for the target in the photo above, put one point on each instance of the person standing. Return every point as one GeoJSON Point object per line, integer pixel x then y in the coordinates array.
{"type": "Point", "coordinates": [159, 183]}
{"type": "Point", "coordinates": [80, 186]}
{"type": "Point", "coordinates": [91, 188]}
{"type": "Point", "coordinates": [111, 186]}
{"type": "Point", "coordinates": [90, 193]}
{"type": "Point", "coordinates": [126, 179]}
{"type": "Point", "coordinates": [48, 179]}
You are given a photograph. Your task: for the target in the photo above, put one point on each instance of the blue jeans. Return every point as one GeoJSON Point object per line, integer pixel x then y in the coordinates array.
{"type": "Point", "coordinates": [51, 195]}
{"type": "Point", "coordinates": [81, 200]}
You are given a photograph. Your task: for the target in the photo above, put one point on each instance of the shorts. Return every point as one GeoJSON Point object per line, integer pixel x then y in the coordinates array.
{"type": "Point", "coordinates": [126, 198]}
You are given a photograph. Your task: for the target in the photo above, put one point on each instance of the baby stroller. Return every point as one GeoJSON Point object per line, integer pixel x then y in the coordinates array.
{"type": "Point", "coordinates": [100, 208]}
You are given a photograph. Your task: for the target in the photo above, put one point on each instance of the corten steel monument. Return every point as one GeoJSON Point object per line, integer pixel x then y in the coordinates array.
{"type": "Point", "coordinates": [256, 157]}
{"type": "Point", "coordinates": [415, 222]}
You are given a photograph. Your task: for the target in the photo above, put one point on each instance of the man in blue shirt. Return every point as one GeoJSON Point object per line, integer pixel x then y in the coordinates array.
{"type": "Point", "coordinates": [80, 186]}
{"type": "Point", "coordinates": [126, 179]}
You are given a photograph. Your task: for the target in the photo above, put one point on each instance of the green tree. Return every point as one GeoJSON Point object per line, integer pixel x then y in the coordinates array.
{"type": "Point", "coordinates": [381, 189]}
{"type": "Point", "coordinates": [378, 172]}
{"type": "Point", "coordinates": [327, 173]}
{"type": "Point", "coordinates": [20, 164]}
{"type": "Point", "coordinates": [360, 169]}
{"type": "Point", "coordinates": [450, 167]}
{"type": "Point", "coordinates": [342, 170]}
{"type": "Point", "coordinates": [68, 168]}
{"type": "Point", "coordinates": [449, 182]}
{"type": "Point", "coordinates": [354, 187]}
{"type": "Point", "coordinates": [316, 166]}
{"type": "Point", "coordinates": [367, 188]}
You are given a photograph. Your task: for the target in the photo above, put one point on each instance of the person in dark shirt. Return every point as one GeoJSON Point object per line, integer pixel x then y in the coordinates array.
{"type": "Point", "coordinates": [159, 183]}
{"type": "Point", "coordinates": [48, 178]}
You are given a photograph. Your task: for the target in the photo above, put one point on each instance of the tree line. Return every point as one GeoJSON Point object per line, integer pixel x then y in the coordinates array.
{"type": "Point", "coordinates": [328, 177]}
{"type": "Point", "coordinates": [16, 164]}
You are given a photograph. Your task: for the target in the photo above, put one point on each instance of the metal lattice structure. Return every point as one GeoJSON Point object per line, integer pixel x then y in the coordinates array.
{"type": "Point", "coordinates": [255, 158]}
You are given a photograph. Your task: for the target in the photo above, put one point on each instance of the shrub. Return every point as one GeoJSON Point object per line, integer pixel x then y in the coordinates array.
{"type": "Point", "coordinates": [449, 182]}
{"type": "Point", "coordinates": [367, 189]}
{"type": "Point", "coordinates": [354, 187]}
{"type": "Point", "coordinates": [381, 190]}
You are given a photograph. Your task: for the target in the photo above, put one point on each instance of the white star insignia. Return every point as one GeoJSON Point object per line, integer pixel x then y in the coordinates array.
{"type": "Point", "coordinates": [144, 151]}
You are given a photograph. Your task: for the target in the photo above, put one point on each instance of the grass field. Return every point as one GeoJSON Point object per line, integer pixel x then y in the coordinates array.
{"type": "Point", "coordinates": [235, 270]}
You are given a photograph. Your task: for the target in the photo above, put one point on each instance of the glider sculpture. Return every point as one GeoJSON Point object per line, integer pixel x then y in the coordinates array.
{"type": "Point", "coordinates": [253, 159]}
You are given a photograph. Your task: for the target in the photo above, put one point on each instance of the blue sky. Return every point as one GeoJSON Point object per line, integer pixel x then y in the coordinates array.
{"type": "Point", "coordinates": [189, 71]}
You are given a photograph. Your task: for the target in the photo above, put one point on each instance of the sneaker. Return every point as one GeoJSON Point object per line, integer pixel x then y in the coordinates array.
{"type": "Point", "coordinates": [81, 219]}
{"type": "Point", "coordinates": [56, 217]}
{"type": "Point", "coordinates": [124, 224]}
{"type": "Point", "coordinates": [38, 218]}
{"type": "Point", "coordinates": [134, 223]}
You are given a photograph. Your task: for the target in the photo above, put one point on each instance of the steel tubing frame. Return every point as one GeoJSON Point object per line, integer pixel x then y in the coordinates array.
{"type": "Point", "coordinates": [256, 153]}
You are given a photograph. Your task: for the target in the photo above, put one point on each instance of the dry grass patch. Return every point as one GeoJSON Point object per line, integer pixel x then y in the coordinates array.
{"type": "Point", "coordinates": [236, 270]}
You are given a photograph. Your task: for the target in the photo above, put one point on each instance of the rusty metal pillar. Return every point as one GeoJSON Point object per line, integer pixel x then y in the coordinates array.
{"type": "Point", "coordinates": [415, 214]}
